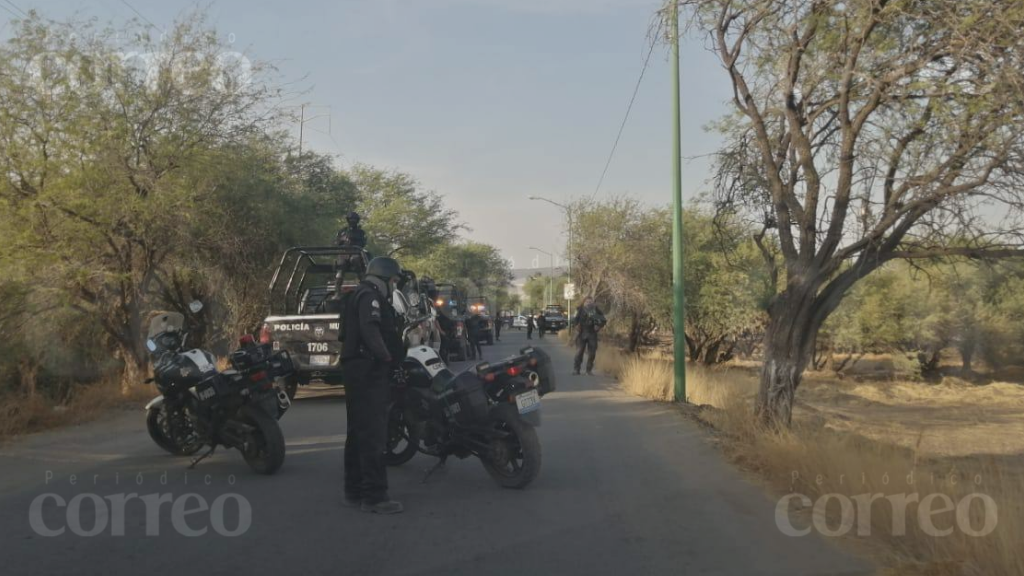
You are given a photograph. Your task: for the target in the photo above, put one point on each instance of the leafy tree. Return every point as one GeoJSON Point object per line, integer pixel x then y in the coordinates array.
{"type": "Point", "coordinates": [726, 289]}
{"type": "Point", "coordinates": [477, 269]}
{"type": "Point", "coordinates": [864, 132]}
{"type": "Point", "coordinates": [105, 161]}
{"type": "Point", "coordinates": [401, 219]}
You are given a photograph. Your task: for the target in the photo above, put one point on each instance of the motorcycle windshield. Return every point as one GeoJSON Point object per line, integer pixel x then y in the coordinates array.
{"type": "Point", "coordinates": [165, 322]}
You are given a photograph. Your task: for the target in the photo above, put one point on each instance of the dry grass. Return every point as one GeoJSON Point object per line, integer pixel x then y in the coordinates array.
{"type": "Point", "coordinates": [24, 415]}
{"type": "Point", "coordinates": [815, 459]}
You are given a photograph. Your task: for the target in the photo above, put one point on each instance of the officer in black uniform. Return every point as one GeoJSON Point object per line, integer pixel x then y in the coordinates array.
{"type": "Point", "coordinates": [372, 346]}
{"type": "Point", "coordinates": [353, 235]}
{"type": "Point", "coordinates": [588, 320]}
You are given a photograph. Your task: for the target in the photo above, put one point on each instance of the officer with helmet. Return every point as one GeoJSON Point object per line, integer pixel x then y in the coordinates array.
{"type": "Point", "coordinates": [371, 347]}
{"type": "Point", "coordinates": [353, 235]}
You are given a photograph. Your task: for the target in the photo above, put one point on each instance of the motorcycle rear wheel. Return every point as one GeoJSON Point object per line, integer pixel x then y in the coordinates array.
{"type": "Point", "coordinates": [515, 460]}
{"type": "Point", "coordinates": [264, 449]}
{"type": "Point", "coordinates": [399, 431]}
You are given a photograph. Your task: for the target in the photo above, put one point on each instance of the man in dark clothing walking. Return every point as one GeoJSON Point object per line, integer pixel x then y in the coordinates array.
{"type": "Point", "coordinates": [371, 346]}
{"type": "Point", "coordinates": [497, 327]}
{"type": "Point", "coordinates": [529, 327]}
{"type": "Point", "coordinates": [473, 329]}
{"type": "Point", "coordinates": [542, 325]}
{"type": "Point", "coordinates": [588, 322]}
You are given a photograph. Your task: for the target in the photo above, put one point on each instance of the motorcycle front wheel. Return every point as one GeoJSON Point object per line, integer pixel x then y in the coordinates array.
{"type": "Point", "coordinates": [159, 428]}
{"type": "Point", "coordinates": [514, 460]}
{"type": "Point", "coordinates": [264, 448]}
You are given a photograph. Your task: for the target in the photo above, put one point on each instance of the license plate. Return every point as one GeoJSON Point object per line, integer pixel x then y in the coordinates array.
{"type": "Point", "coordinates": [320, 359]}
{"type": "Point", "coordinates": [528, 401]}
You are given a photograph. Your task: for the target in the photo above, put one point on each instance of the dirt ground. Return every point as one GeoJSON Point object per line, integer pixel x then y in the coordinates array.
{"type": "Point", "coordinates": [949, 418]}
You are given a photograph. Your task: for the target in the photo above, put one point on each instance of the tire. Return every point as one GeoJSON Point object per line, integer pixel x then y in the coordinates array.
{"type": "Point", "coordinates": [158, 431]}
{"type": "Point", "coordinates": [519, 454]}
{"type": "Point", "coordinates": [291, 388]}
{"type": "Point", "coordinates": [396, 454]}
{"type": "Point", "coordinates": [264, 452]}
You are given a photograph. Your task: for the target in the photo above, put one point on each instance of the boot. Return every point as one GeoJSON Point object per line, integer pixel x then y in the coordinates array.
{"type": "Point", "coordinates": [383, 507]}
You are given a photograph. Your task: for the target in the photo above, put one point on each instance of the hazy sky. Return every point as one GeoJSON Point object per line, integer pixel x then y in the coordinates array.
{"type": "Point", "coordinates": [485, 101]}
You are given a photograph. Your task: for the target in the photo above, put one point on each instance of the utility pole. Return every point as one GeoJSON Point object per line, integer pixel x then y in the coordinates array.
{"type": "Point", "coordinates": [568, 214]}
{"type": "Point", "coordinates": [679, 294]}
{"type": "Point", "coordinates": [551, 274]}
{"type": "Point", "coordinates": [303, 120]}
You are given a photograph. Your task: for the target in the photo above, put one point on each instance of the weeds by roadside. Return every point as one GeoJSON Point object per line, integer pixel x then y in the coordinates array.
{"type": "Point", "coordinates": [23, 415]}
{"type": "Point", "coordinates": [813, 460]}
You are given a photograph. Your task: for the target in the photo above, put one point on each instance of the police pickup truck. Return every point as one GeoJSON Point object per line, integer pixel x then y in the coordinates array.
{"type": "Point", "coordinates": [305, 309]}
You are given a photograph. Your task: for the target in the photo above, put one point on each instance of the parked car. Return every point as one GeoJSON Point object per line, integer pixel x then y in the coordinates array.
{"type": "Point", "coordinates": [519, 322]}
{"type": "Point", "coordinates": [556, 318]}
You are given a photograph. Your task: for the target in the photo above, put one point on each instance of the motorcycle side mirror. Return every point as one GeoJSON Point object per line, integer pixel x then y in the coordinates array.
{"type": "Point", "coordinates": [195, 306]}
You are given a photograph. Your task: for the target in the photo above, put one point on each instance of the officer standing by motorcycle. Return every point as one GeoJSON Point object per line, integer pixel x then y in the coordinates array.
{"type": "Point", "coordinates": [588, 321]}
{"type": "Point", "coordinates": [371, 347]}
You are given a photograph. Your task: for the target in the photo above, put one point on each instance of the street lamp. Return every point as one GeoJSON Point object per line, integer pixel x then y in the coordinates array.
{"type": "Point", "coordinates": [551, 273]}
{"type": "Point", "coordinates": [568, 215]}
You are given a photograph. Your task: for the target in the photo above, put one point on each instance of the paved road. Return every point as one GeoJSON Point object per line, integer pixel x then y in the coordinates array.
{"type": "Point", "coordinates": [627, 488]}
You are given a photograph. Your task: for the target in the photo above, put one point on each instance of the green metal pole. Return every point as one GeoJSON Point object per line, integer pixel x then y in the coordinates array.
{"type": "Point", "coordinates": [679, 308]}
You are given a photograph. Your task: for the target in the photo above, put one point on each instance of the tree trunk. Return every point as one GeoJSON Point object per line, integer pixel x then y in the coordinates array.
{"type": "Point", "coordinates": [789, 348]}
{"type": "Point", "coordinates": [967, 355]}
{"type": "Point", "coordinates": [135, 368]}
{"type": "Point", "coordinates": [28, 371]}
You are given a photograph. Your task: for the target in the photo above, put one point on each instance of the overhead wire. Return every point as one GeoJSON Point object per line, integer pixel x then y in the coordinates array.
{"type": "Point", "coordinates": [625, 119]}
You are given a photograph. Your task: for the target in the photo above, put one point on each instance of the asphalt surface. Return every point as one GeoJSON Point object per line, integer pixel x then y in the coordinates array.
{"type": "Point", "coordinates": [627, 487]}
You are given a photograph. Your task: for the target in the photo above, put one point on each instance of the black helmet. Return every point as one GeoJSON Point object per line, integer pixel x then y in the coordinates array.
{"type": "Point", "coordinates": [384, 268]}
{"type": "Point", "coordinates": [352, 218]}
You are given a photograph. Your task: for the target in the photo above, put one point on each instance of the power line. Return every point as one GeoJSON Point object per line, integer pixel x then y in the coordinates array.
{"type": "Point", "coordinates": [16, 7]}
{"type": "Point", "coordinates": [625, 118]}
{"type": "Point", "coordinates": [137, 13]}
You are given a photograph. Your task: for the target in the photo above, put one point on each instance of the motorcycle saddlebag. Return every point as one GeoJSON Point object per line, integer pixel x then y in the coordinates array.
{"type": "Point", "coordinates": [464, 400]}
{"type": "Point", "coordinates": [543, 369]}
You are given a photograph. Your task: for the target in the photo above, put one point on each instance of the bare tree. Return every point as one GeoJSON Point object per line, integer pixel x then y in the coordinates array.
{"type": "Point", "coordinates": [865, 131]}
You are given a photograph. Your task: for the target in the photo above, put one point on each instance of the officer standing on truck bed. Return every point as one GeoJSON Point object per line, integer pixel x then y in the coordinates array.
{"type": "Point", "coordinates": [371, 346]}
{"type": "Point", "coordinates": [353, 235]}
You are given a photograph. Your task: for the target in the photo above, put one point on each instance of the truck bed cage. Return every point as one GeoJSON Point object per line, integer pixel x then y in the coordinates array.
{"type": "Point", "coordinates": [313, 257]}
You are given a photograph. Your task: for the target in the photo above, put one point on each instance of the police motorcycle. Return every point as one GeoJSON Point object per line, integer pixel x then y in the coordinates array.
{"type": "Point", "coordinates": [490, 411]}
{"type": "Point", "coordinates": [201, 406]}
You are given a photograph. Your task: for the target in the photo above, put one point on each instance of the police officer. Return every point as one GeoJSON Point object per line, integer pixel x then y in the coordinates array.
{"type": "Point", "coordinates": [474, 326]}
{"type": "Point", "coordinates": [353, 235]}
{"type": "Point", "coordinates": [529, 327]}
{"type": "Point", "coordinates": [372, 346]}
{"type": "Point", "coordinates": [588, 320]}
